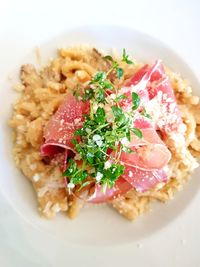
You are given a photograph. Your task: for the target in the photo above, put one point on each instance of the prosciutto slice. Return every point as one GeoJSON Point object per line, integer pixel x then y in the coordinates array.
{"type": "Point", "coordinates": [59, 131]}
{"type": "Point", "coordinates": [144, 169]}
{"type": "Point", "coordinates": [143, 180]}
{"type": "Point", "coordinates": [162, 103]}
{"type": "Point", "coordinates": [149, 153]}
{"type": "Point", "coordinates": [99, 196]}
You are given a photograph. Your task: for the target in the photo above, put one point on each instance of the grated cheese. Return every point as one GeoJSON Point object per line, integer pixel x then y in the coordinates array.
{"type": "Point", "coordinates": [99, 176]}
{"type": "Point", "coordinates": [107, 164]}
{"type": "Point", "coordinates": [130, 174]}
{"type": "Point", "coordinates": [42, 191]}
{"type": "Point", "coordinates": [36, 177]}
{"type": "Point", "coordinates": [47, 207]}
{"type": "Point", "coordinates": [71, 185]}
{"type": "Point", "coordinates": [56, 207]}
{"type": "Point", "coordinates": [124, 141]}
{"type": "Point", "coordinates": [33, 166]}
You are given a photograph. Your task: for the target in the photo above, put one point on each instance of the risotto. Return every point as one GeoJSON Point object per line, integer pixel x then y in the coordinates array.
{"type": "Point", "coordinates": [42, 93]}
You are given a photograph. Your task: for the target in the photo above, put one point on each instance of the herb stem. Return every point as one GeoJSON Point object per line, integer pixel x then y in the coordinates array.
{"type": "Point", "coordinates": [109, 71]}
{"type": "Point", "coordinates": [101, 134]}
{"type": "Point", "coordinates": [98, 128]}
{"type": "Point", "coordinates": [79, 170]}
{"type": "Point", "coordinates": [91, 111]}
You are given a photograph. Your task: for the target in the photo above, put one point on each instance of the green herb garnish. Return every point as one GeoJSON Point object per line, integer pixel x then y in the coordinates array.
{"type": "Point", "coordinates": [125, 57]}
{"type": "Point", "coordinates": [137, 132]}
{"type": "Point", "coordinates": [135, 100]}
{"type": "Point", "coordinates": [119, 72]}
{"type": "Point", "coordinates": [99, 77]}
{"type": "Point", "coordinates": [145, 114]}
{"type": "Point", "coordinates": [103, 131]}
{"type": "Point", "coordinates": [89, 94]}
{"type": "Point", "coordinates": [77, 175]}
{"type": "Point", "coordinates": [120, 97]}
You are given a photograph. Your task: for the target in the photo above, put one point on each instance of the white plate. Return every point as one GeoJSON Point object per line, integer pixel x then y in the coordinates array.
{"type": "Point", "coordinates": [97, 226]}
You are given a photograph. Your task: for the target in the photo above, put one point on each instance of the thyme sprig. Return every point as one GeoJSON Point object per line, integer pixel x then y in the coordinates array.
{"type": "Point", "coordinates": [105, 133]}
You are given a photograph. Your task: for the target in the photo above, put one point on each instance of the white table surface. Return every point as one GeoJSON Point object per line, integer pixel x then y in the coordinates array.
{"type": "Point", "coordinates": [177, 23]}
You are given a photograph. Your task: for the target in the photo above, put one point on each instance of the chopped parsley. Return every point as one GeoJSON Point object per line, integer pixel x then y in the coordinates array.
{"type": "Point", "coordinates": [105, 133]}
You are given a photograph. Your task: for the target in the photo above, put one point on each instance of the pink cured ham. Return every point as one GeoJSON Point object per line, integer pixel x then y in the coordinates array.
{"type": "Point", "coordinates": [150, 153]}
{"type": "Point", "coordinates": [126, 103]}
{"type": "Point", "coordinates": [121, 187]}
{"type": "Point", "coordinates": [144, 169]}
{"type": "Point", "coordinates": [140, 173]}
{"type": "Point", "coordinates": [138, 76]}
{"type": "Point", "coordinates": [138, 85]}
{"type": "Point", "coordinates": [141, 180]}
{"type": "Point", "coordinates": [144, 180]}
{"type": "Point", "coordinates": [154, 81]}
{"type": "Point", "coordinates": [59, 131]}
{"type": "Point", "coordinates": [161, 94]}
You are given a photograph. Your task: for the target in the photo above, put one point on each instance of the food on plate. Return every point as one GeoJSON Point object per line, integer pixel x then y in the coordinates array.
{"type": "Point", "coordinates": [95, 128]}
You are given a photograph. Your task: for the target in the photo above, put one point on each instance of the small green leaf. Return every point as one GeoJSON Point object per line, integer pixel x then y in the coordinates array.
{"type": "Point", "coordinates": [128, 135]}
{"type": "Point", "coordinates": [90, 157]}
{"type": "Point", "coordinates": [100, 156]}
{"type": "Point", "coordinates": [118, 114]}
{"type": "Point", "coordinates": [74, 142]}
{"type": "Point", "coordinates": [128, 150]}
{"type": "Point", "coordinates": [100, 96]}
{"type": "Point", "coordinates": [119, 72]}
{"type": "Point", "coordinates": [135, 100]}
{"type": "Point", "coordinates": [80, 132]}
{"type": "Point", "coordinates": [84, 185]}
{"type": "Point", "coordinates": [89, 94]}
{"type": "Point", "coordinates": [137, 132]}
{"type": "Point", "coordinates": [111, 174]}
{"type": "Point", "coordinates": [99, 76]}
{"type": "Point", "coordinates": [124, 53]}
{"type": "Point", "coordinates": [76, 92]}
{"type": "Point", "coordinates": [125, 57]}
{"type": "Point", "coordinates": [120, 97]}
{"type": "Point", "coordinates": [115, 65]}
{"type": "Point", "coordinates": [106, 84]}
{"type": "Point", "coordinates": [145, 114]}
{"type": "Point", "coordinates": [71, 168]}
{"type": "Point", "coordinates": [100, 116]}
{"type": "Point", "coordinates": [79, 149]}
{"type": "Point", "coordinates": [79, 177]}
{"type": "Point", "coordinates": [128, 61]}
{"type": "Point", "coordinates": [117, 111]}
{"type": "Point", "coordinates": [108, 57]}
